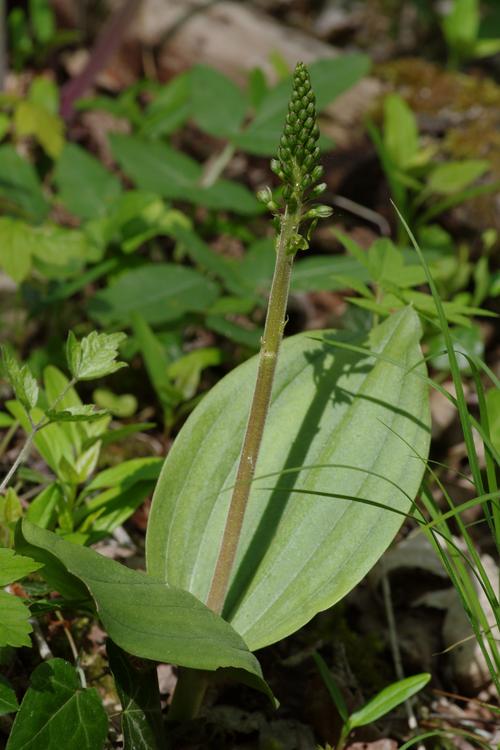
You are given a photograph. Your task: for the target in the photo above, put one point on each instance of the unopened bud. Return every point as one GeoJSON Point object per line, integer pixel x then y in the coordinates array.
{"type": "Point", "coordinates": [319, 212]}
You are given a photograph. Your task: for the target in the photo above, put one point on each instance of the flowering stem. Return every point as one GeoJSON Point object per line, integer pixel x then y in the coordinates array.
{"type": "Point", "coordinates": [273, 333]}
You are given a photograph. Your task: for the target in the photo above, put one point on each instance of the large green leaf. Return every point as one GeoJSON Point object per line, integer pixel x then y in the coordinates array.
{"type": "Point", "coordinates": [20, 189]}
{"type": "Point", "coordinates": [85, 187]}
{"type": "Point", "coordinates": [57, 712]}
{"type": "Point", "coordinates": [209, 86]}
{"type": "Point", "coordinates": [161, 169]}
{"type": "Point", "coordinates": [300, 552]}
{"type": "Point", "coordinates": [160, 292]}
{"type": "Point", "coordinates": [141, 614]}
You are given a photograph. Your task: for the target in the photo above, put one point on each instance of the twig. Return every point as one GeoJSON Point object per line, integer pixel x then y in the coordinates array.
{"type": "Point", "coordinates": [38, 637]}
{"type": "Point", "coordinates": [107, 44]}
{"type": "Point", "coordinates": [394, 642]}
{"type": "Point", "coordinates": [365, 213]}
{"type": "Point", "coordinates": [73, 648]}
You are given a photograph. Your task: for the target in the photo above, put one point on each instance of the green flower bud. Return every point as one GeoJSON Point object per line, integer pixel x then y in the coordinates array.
{"type": "Point", "coordinates": [319, 212]}
{"type": "Point", "coordinates": [265, 195]}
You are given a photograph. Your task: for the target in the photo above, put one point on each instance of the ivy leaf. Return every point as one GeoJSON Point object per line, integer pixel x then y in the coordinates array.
{"type": "Point", "coordinates": [137, 686]}
{"type": "Point", "coordinates": [57, 712]}
{"type": "Point", "coordinates": [20, 378]}
{"type": "Point", "coordinates": [94, 356]}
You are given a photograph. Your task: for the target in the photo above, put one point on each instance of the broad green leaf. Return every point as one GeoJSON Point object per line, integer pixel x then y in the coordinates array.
{"type": "Point", "coordinates": [94, 356]}
{"type": "Point", "coordinates": [13, 567]}
{"type": "Point", "coordinates": [85, 187]}
{"type": "Point", "coordinates": [126, 474]}
{"type": "Point", "coordinates": [16, 241]}
{"type": "Point", "coordinates": [42, 510]}
{"type": "Point", "coordinates": [10, 511]}
{"type": "Point", "coordinates": [57, 712]}
{"type": "Point", "coordinates": [461, 26]}
{"type": "Point", "coordinates": [5, 420]}
{"type": "Point", "coordinates": [43, 22]}
{"type": "Point", "coordinates": [59, 253]}
{"type": "Point", "coordinates": [454, 176]}
{"type": "Point", "coordinates": [55, 251]}
{"type": "Point", "coordinates": [400, 131]}
{"type": "Point", "coordinates": [206, 259]}
{"type": "Point", "coordinates": [249, 337]}
{"type": "Point", "coordinates": [55, 385]}
{"type": "Point", "coordinates": [14, 621]}
{"type": "Point", "coordinates": [134, 218]}
{"type": "Point", "coordinates": [48, 129]}
{"type": "Point", "coordinates": [44, 92]}
{"type": "Point", "coordinates": [186, 371]}
{"type": "Point", "coordinates": [156, 167]}
{"type": "Point", "coordinates": [159, 292]}
{"type": "Point", "coordinates": [8, 700]}
{"type": "Point", "coordinates": [466, 341]}
{"type": "Point", "coordinates": [141, 614]}
{"type": "Point", "coordinates": [137, 687]}
{"type": "Point", "coordinates": [218, 106]}
{"type": "Point", "coordinates": [84, 413]}
{"type": "Point", "coordinates": [169, 110]}
{"type": "Point", "coordinates": [20, 378]}
{"type": "Point", "coordinates": [388, 699]}
{"type": "Point", "coordinates": [106, 511]}
{"type": "Point", "coordinates": [300, 552]}
{"type": "Point", "coordinates": [321, 272]}
{"type": "Point", "coordinates": [20, 189]}
{"type": "Point", "coordinates": [122, 406]}
{"type": "Point", "coordinates": [52, 442]}
{"type": "Point", "coordinates": [330, 78]}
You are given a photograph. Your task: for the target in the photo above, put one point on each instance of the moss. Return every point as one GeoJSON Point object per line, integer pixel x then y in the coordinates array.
{"type": "Point", "coordinates": [461, 112]}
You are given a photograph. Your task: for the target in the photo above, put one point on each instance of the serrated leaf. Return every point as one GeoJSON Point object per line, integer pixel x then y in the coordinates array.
{"type": "Point", "coordinates": [14, 621]}
{"type": "Point", "coordinates": [299, 552]}
{"type": "Point", "coordinates": [20, 378]}
{"type": "Point", "coordinates": [141, 614]}
{"type": "Point", "coordinates": [57, 712]}
{"type": "Point", "coordinates": [95, 355]}
{"type": "Point", "coordinates": [388, 699]}
{"type": "Point", "coordinates": [13, 567]}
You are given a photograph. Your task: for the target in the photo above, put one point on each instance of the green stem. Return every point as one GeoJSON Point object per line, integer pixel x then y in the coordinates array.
{"type": "Point", "coordinates": [188, 695]}
{"type": "Point", "coordinates": [23, 453]}
{"type": "Point", "coordinates": [35, 428]}
{"type": "Point", "coordinates": [273, 333]}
